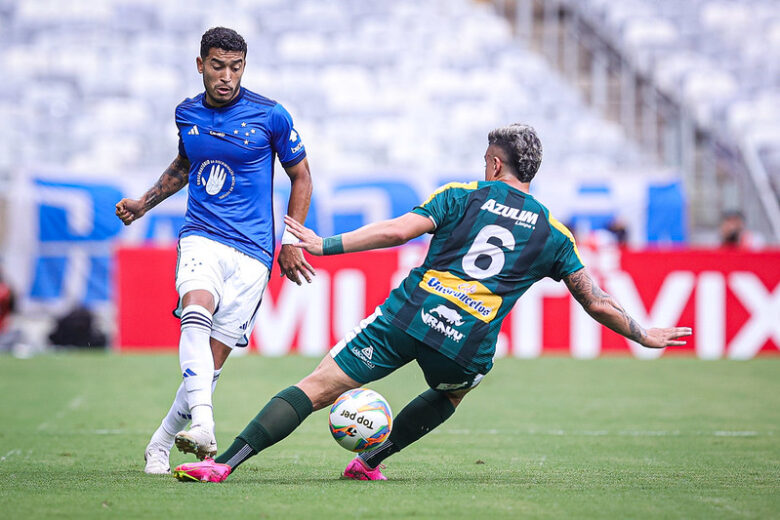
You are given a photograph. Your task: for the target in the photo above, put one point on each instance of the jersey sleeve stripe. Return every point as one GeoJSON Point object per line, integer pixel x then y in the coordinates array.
{"type": "Point", "coordinates": [465, 185]}
{"type": "Point", "coordinates": [563, 229]}
{"type": "Point", "coordinates": [294, 161]}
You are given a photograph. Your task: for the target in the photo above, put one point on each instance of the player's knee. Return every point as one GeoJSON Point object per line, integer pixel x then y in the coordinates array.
{"type": "Point", "coordinates": [454, 399]}
{"type": "Point", "coordinates": [319, 395]}
{"type": "Point", "coordinates": [457, 396]}
{"type": "Point", "coordinates": [200, 297]}
{"type": "Point", "coordinates": [317, 389]}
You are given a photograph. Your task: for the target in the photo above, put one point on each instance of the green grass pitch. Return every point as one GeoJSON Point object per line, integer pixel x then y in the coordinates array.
{"type": "Point", "coordinates": [546, 438]}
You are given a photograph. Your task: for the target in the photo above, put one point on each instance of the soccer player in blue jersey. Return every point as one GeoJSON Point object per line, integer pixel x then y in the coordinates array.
{"type": "Point", "coordinates": [228, 140]}
{"type": "Point", "coordinates": [491, 241]}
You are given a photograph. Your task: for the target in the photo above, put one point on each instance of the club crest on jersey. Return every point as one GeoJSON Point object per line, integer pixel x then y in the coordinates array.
{"type": "Point", "coordinates": [523, 218]}
{"type": "Point", "coordinates": [217, 177]}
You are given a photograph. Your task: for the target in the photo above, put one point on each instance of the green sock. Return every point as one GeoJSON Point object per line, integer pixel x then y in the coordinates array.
{"type": "Point", "coordinates": [423, 414]}
{"type": "Point", "coordinates": [283, 414]}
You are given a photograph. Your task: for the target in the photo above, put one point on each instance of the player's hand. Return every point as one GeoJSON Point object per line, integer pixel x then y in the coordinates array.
{"type": "Point", "coordinates": [294, 265]}
{"type": "Point", "coordinates": [129, 210]}
{"type": "Point", "coordinates": [309, 240]}
{"type": "Point", "coordinates": [660, 338]}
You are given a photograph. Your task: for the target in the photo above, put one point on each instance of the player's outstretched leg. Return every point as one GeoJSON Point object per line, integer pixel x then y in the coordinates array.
{"type": "Point", "coordinates": [283, 414]}
{"type": "Point", "coordinates": [423, 414]}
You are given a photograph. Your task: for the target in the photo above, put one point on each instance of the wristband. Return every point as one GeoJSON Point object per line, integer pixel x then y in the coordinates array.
{"type": "Point", "coordinates": [288, 237]}
{"type": "Point", "coordinates": [332, 245]}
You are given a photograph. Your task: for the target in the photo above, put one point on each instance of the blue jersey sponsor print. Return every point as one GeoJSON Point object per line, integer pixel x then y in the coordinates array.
{"type": "Point", "coordinates": [231, 151]}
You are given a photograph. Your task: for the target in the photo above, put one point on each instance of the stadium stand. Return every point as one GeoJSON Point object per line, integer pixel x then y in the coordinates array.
{"type": "Point", "coordinates": [708, 70]}
{"type": "Point", "coordinates": [375, 84]}
{"type": "Point", "coordinates": [410, 86]}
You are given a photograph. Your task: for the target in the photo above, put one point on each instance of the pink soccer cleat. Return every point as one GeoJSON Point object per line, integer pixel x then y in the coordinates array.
{"type": "Point", "coordinates": [358, 470]}
{"type": "Point", "coordinates": [206, 471]}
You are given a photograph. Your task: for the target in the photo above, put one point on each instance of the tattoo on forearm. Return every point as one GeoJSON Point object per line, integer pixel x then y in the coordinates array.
{"type": "Point", "coordinates": [173, 179]}
{"type": "Point", "coordinates": [592, 298]}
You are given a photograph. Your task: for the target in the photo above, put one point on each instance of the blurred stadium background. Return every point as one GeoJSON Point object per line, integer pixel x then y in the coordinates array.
{"type": "Point", "coordinates": [657, 117]}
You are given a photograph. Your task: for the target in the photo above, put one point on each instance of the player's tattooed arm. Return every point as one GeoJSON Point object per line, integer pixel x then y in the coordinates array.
{"type": "Point", "coordinates": [174, 178]}
{"type": "Point", "coordinates": [603, 307]}
{"type": "Point", "coordinates": [607, 311]}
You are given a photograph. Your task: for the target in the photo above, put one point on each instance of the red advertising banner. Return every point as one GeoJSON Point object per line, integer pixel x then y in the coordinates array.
{"type": "Point", "coordinates": [730, 298]}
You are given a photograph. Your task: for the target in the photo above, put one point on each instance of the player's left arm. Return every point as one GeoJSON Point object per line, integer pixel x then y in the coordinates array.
{"type": "Point", "coordinates": [291, 260]}
{"type": "Point", "coordinates": [606, 310]}
{"type": "Point", "coordinates": [377, 235]}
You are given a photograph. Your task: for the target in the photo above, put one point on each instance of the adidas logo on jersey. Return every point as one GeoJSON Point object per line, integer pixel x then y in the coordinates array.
{"type": "Point", "coordinates": [193, 131]}
{"type": "Point", "coordinates": [523, 218]}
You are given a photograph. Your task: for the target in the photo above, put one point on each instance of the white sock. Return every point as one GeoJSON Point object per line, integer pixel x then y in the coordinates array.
{"type": "Point", "coordinates": [197, 363]}
{"type": "Point", "coordinates": [174, 421]}
{"type": "Point", "coordinates": [214, 381]}
{"type": "Point", "coordinates": [178, 416]}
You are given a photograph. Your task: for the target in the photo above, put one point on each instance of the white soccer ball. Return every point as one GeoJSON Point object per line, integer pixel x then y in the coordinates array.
{"type": "Point", "coordinates": [360, 420]}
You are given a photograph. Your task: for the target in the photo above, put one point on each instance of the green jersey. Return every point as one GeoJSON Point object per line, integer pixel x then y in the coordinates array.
{"type": "Point", "coordinates": [490, 244]}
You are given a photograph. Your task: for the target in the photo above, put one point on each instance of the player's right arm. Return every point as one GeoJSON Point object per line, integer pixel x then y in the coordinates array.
{"type": "Point", "coordinates": [606, 310]}
{"type": "Point", "coordinates": [174, 178]}
{"type": "Point", "coordinates": [377, 235]}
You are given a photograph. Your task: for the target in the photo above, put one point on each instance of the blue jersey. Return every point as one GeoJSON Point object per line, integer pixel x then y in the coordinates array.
{"type": "Point", "coordinates": [231, 151]}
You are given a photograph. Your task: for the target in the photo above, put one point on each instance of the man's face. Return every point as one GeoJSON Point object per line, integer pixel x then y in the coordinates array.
{"type": "Point", "coordinates": [222, 71]}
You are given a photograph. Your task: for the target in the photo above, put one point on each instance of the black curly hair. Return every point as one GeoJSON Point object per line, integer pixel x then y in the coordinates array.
{"type": "Point", "coordinates": [221, 38]}
{"type": "Point", "coordinates": [522, 146]}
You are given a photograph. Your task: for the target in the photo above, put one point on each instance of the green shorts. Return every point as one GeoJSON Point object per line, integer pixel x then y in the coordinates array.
{"type": "Point", "coordinates": [375, 348]}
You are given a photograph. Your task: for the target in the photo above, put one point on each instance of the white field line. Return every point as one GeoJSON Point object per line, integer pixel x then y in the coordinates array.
{"type": "Point", "coordinates": [74, 404]}
{"type": "Point", "coordinates": [10, 454]}
{"type": "Point", "coordinates": [605, 433]}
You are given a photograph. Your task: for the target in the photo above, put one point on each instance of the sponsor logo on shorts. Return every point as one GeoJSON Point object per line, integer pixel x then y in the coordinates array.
{"type": "Point", "coordinates": [472, 297]}
{"type": "Point", "coordinates": [362, 357]}
{"type": "Point", "coordinates": [441, 325]}
{"type": "Point", "coordinates": [444, 387]}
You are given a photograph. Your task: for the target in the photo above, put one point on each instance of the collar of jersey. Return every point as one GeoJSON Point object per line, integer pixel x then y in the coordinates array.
{"type": "Point", "coordinates": [233, 102]}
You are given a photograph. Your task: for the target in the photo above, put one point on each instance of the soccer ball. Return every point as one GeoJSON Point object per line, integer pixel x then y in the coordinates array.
{"type": "Point", "coordinates": [360, 420]}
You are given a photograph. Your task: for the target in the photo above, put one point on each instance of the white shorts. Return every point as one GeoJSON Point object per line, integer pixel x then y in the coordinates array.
{"type": "Point", "coordinates": [236, 281]}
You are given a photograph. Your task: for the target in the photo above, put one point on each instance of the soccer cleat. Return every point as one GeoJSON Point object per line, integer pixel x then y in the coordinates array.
{"type": "Point", "coordinates": [157, 460]}
{"type": "Point", "coordinates": [197, 440]}
{"type": "Point", "coordinates": [206, 471]}
{"type": "Point", "coordinates": [357, 469]}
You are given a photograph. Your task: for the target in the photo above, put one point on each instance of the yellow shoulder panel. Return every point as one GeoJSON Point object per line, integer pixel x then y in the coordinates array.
{"type": "Point", "coordinates": [563, 229]}
{"type": "Point", "coordinates": [465, 185]}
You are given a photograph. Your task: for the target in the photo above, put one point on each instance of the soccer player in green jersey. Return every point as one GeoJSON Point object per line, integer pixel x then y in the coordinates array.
{"type": "Point", "coordinates": [491, 241]}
